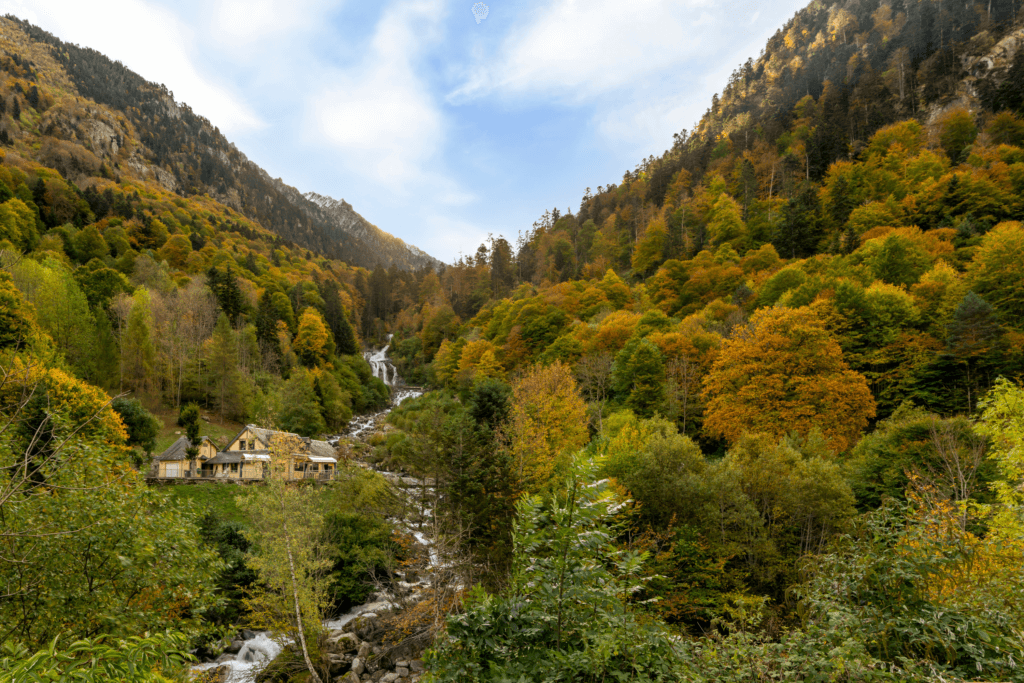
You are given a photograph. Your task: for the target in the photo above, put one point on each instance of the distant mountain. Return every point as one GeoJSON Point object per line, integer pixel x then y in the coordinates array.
{"type": "Point", "coordinates": [388, 248]}
{"type": "Point", "coordinates": [188, 155]}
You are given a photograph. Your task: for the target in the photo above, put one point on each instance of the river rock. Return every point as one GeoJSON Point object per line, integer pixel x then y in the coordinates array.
{"type": "Point", "coordinates": [389, 678]}
{"type": "Point", "coordinates": [358, 667]}
{"type": "Point", "coordinates": [417, 666]}
{"type": "Point", "coordinates": [402, 671]}
{"type": "Point", "coordinates": [226, 657]}
{"type": "Point", "coordinates": [246, 634]}
{"type": "Point", "coordinates": [218, 675]}
{"type": "Point", "coordinates": [343, 642]}
{"type": "Point", "coordinates": [339, 664]}
{"type": "Point", "coordinates": [365, 649]}
{"type": "Point", "coordinates": [235, 646]}
{"type": "Point", "coordinates": [367, 627]}
{"type": "Point", "coordinates": [348, 678]}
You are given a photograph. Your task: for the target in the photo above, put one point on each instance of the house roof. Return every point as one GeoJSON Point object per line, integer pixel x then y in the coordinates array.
{"type": "Point", "coordinates": [176, 451]}
{"type": "Point", "coordinates": [312, 446]}
{"type": "Point", "coordinates": [228, 457]}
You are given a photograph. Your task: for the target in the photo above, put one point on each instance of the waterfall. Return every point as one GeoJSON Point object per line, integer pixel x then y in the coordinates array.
{"type": "Point", "coordinates": [381, 365]}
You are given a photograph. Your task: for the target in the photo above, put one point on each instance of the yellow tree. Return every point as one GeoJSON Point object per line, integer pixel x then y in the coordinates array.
{"type": "Point", "coordinates": [471, 356]}
{"type": "Point", "coordinates": [488, 367]}
{"type": "Point", "coordinates": [311, 343]}
{"type": "Point", "coordinates": [785, 373]}
{"type": "Point", "coordinates": [547, 423]}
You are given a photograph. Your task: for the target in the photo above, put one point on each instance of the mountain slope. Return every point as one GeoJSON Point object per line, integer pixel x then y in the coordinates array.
{"type": "Point", "coordinates": [188, 155]}
{"type": "Point", "coordinates": [388, 248]}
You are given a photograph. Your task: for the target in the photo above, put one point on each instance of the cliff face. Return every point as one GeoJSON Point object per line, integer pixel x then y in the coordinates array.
{"type": "Point", "coordinates": [137, 128]}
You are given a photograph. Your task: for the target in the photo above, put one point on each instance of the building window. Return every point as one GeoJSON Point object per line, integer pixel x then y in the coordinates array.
{"type": "Point", "coordinates": [241, 445]}
{"type": "Point", "coordinates": [298, 466]}
{"type": "Point", "coordinates": [315, 467]}
{"type": "Point", "coordinates": [234, 467]}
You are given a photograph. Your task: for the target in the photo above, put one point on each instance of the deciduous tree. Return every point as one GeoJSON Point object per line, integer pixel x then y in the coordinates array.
{"type": "Point", "coordinates": [785, 373]}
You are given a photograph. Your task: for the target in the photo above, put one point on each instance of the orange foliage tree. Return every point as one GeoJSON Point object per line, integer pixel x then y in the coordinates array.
{"type": "Point", "coordinates": [786, 373]}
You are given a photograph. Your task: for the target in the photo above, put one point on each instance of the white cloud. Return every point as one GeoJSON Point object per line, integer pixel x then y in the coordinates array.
{"type": "Point", "coordinates": [148, 39]}
{"type": "Point", "coordinates": [649, 126]}
{"type": "Point", "coordinates": [447, 237]}
{"type": "Point", "coordinates": [244, 23]}
{"type": "Point", "coordinates": [575, 49]}
{"type": "Point", "coordinates": [380, 113]}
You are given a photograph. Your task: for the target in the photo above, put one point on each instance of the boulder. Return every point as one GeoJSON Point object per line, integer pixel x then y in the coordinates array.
{"type": "Point", "coordinates": [402, 671]}
{"type": "Point", "coordinates": [226, 657]}
{"type": "Point", "coordinates": [235, 646]}
{"type": "Point", "coordinates": [246, 634]}
{"type": "Point", "coordinates": [343, 642]}
{"type": "Point", "coordinates": [348, 678]}
{"type": "Point", "coordinates": [417, 666]}
{"type": "Point", "coordinates": [358, 667]}
{"type": "Point", "coordinates": [339, 664]}
{"type": "Point", "coordinates": [218, 675]}
{"type": "Point", "coordinates": [367, 627]}
{"type": "Point", "coordinates": [389, 678]}
{"type": "Point", "coordinates": [365, 649]}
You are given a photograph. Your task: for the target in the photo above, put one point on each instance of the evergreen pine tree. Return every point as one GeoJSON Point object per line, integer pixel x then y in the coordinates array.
{"type": "Point", "coordinates": [226, 379]}
{"type": "Point", "coordinates": [345, 337]}
{"type": "Point", "coordinates": [188, 417]}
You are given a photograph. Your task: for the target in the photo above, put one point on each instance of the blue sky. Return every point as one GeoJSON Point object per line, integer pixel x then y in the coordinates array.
{"type": "Point", "coordinates": [435, 128]}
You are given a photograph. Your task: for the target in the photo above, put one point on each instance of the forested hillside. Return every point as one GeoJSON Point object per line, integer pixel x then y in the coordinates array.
{"type": "Point", "coordinates": [754, 413]}
{"type": "Point", "coordinates": [790, 348]}
{"type": "Point", "coordinates": [186, 154]}
{"type": "Point", "coordinates": [172, 298]}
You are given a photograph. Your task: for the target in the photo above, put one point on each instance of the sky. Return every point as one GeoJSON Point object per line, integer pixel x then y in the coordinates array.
{"type": "Point", "coordinates": [436, 128]}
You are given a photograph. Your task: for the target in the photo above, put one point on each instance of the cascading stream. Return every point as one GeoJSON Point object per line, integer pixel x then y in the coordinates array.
{"type": "Point", "coordinates": [260, 650]}
{"type": "Point", "coordinates": [381, 365]}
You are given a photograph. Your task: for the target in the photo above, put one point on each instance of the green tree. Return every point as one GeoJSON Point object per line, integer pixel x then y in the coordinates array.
{"type": "Point", "coordinates": [639, 376]}
{"type": "Point", "coordinates": [725, 222]}
{"type": "Point", "coordinates": [289, 556]}
{"type": "Point", "coordinates": [564, 615]}
{"type": "Point", "coordinates": [89, 244]}
{"type": "Point", "coordinates": [301, 411]}
{"type": "Point", "coordinates": [227, 383]}
{"type": "Point", "coordinates": [142, 425]}
{"type": "Point", "coordinates": [188, 417]}
{"type": "Point", "coordinates": [335, 404]}
{"type": "Point", "coordinates": [957, 133]}
{"type": "Point", "coordinates": [994, 271]}
{"type": "Point", "coordinates": [138, 353]}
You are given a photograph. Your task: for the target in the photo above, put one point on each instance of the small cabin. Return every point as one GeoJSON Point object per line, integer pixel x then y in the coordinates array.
{"type": "Point", "coordinates": [174, 462]}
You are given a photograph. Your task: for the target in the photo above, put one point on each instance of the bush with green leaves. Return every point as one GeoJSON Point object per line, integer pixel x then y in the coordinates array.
{"type": "Point", "coordinates": [565, 615]}
{"type": "Point", "coordinates": [159, 658]}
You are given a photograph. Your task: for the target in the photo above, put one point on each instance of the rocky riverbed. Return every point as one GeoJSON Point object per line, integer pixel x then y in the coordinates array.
{"type": "Point", "coordinates": [380, 641]}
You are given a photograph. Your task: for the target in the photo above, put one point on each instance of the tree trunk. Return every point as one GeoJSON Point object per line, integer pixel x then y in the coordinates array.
{"type": "Point", "coordinates": [298, 609]}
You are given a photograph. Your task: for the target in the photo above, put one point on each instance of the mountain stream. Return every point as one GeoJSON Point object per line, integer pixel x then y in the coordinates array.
{"type": "Point", "coordinates": [260, 649]}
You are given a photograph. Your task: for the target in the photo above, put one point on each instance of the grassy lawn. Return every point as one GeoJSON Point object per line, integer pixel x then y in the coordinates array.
{"type": "Point", "coordinates": [216, 429]}
{"type": "Point", "coordinates": [216, 498]}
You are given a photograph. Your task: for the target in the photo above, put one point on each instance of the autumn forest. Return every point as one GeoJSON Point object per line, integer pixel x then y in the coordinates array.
{"type": "Point", "coordinates": [753, 412]}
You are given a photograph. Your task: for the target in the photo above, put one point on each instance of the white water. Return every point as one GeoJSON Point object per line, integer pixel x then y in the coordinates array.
{"type": "Point", "coordinates": [381, 364]}
{"type": "Point", "coordinates": [255, 654]}
{"type": "Point", "coordinates": [259, 651]}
